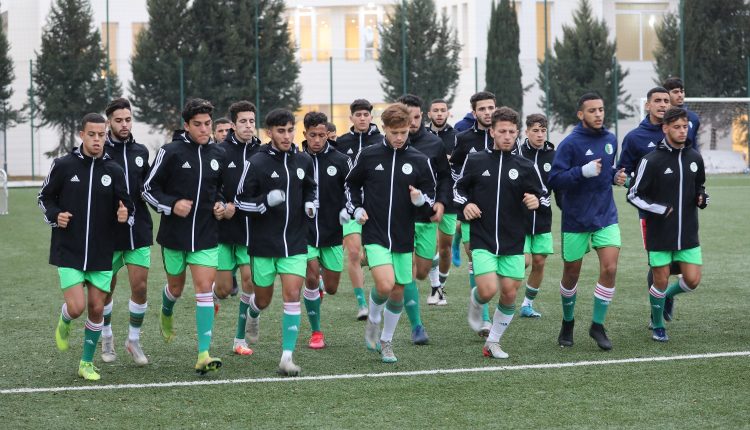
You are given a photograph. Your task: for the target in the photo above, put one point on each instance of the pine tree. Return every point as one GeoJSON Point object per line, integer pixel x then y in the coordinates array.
{"type": "Point", "coordinates": [9, 117]}
{"type": "Point", "coordinates": [503, 71]}
{"type": "Point", "coordinates": [155, 87]}
{"type": "Point", "coordinates": [432, 53]}
{"type": "Point", "coordinates": [667, 54]}
{"type": "Point", "coordinates": [582, 62]}
{"type": "Point", "coordinates": [69, 72]}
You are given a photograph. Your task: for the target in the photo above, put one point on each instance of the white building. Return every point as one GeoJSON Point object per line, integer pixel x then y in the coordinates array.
{"type": "Point", "coordinates": [341, 36]}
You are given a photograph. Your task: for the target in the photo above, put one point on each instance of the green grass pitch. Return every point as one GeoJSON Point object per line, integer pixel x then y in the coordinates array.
{"type": "Point", "coordinates": [698, 393]}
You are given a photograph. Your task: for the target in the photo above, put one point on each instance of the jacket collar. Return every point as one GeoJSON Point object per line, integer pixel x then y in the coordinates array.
{"type": "Point", "coordinates": [548, 146]}
{"type": "Point", "coordinates": [664, 146]}
{"type": "Point", "coordinates": [388, 145]}
{"type": "Point", "coordinates": [232, 139]}
{"type": "Point", "coordinates": [325, 149]}
{"type": "Point", "coordinates": [78, 152]}
{"type": "Point", "coordinates": [110, 141]}
{"type": "Point", "coordinates": [370, 131]}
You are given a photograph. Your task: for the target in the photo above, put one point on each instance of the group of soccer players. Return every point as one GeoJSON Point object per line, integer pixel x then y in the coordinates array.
{"type": "Point", "coordinates": [398, 200]}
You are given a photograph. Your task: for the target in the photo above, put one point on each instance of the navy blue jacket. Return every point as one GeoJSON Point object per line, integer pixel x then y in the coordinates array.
{"type": "Point", "coordinates": [466, 123]}
{"type": "Point", "coordinates": [637, 143]}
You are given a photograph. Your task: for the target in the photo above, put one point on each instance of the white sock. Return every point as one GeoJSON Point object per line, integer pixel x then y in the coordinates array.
{"type": "Point", "coordinates": [376, 311]}
{"type": "Point", "coordinates": [527, 302]}
{"type": "Point", "coordinates": [286, 355]}
{"type": "Point", "coordinates": [500, 322]}
{"type": "Point", "coordinates": [390, 321]}
{"type": "Point", "coordinates": [107, 328]}
{"type": "Point", "coordinates": [683, 286]}
{"type": "Point", "coordinates": [434, 276]}
{"type": "Point", "coordinates": [134, 333]}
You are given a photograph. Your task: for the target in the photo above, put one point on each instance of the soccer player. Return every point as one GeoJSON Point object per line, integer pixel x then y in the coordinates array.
{"type": "Point", "coordinates": [676, 90]}
{"type": "Point", "coordinates": [538, 243]}
{"type": "Point", "coordinates": [582, 175]}
{"type": "Point", "coordinates": [82, 198]}
{"type": "Point", "coordinates": [669, 187]}
{"type": "Point", "coordinates": [132, 242]}
{"type": "Point", "coordinates": [475, 139]}
{"type": "Point", "coordinates": [325, 254]}
{"type": "Point", "coordinates": [439, 114]}
{"type": "Point", "coordinates": [331, 129]}
{"type": "Point", "coordinates": [278, 189]}
{"type": "Point", "coordinates": [221, 128]}
{"type": "Point", "coordinates": [494, 190]}
{"type": "Point", "coordinates": [387, 185]}
{"type": "Point", "coordinates": [239, 145]}
{"type": "Point", "coordinates": [184, 186]}
{"type": "Point", "coordinates": [362, 134]}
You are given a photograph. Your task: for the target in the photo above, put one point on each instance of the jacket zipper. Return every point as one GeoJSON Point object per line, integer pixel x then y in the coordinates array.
{"type": "Point", "coordinates": [390, 200]}
{"type": "Point", "coordinates": [198, 195]}
{"type": "Point", "coordinates": [497, 205]}
{"type": "Point", "coordinates": [679, 207]}
{"type": "Point", "coordinates": [317, 191]}
{"type": "Point", "coordinates": [127, 185]}
{"type": "Point", "coordinates": [88, 216]}
{"type": "Point", "coordinates": [286, 204]}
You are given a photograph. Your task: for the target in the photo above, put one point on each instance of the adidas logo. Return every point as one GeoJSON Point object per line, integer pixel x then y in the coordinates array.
{"type": "Point", "coordinates": [274, 174]}
{"type": "Point", "coordinates": [472, 150]}
{"type": "Point", "coordinates": [75, 179]}
{"type": "Point", "coordinates": [231, 165]}
{"type": "Point", "coordinates": [588, 152]}
{"type": "Point", "coordinates": [186, 165]}
{"type": "Point", "coordinates": [293, 328]}
{"type": "Point", "coordinates": [668, 171]}
{"type": "Point", "coordinates": [379, 167]}
{"type": "Point", "coordinates": [656, 306]}
{"type": "Point", "coordinates": [410, 303]}
{"type": "Point", "coordinates": [651, 145]}
{"type": "Point", "coordinates": [350, 151]}
{"type": "Point", "coordinates": [89, 341]}
{"type": "Point", "coordinates": [208, 333]}
{"type": "Point", "coordinates": [486, 173]}
{"type": "Point", "coordinates": [312, 313]}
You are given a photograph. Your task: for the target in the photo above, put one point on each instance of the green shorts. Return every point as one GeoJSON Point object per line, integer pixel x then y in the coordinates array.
{"type": "Point", "coordinates": [352, 227]}
{"type": "Point", "coordinates": [401, 262]}
{"type": "Point", "coordinates": [576, 245]}
{"type": "Point", "coordinates": [665, 258]}
{"type": "Point", "coordinates": [448, 224]}
{"type": "Point", "coordinates": [70, 277]}
{"type": "Point", "coordinates": [330, 257]}
{"type": "Point", "coordinates": [265, 269]}
{"type": "Point", "coordinates": [508, 266]}
{"type": "Point", "coordinates": [139, 257]}
{"type": "Point", "coordinates": [231, 256]}
{"type": "Point", "coordinates": [425, 239]}
{"type": "Point", "coordinates": [176, 261]}
{"type": "Point", "coordinates": [538, 244]}
{"type": "Point", "coordinates": [465, 231]}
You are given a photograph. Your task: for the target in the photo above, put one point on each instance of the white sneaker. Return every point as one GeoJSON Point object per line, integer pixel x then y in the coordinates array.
{"type": "Point", "coordinates": [493, 350]}
{"type": "Point", "coordinates": [136, 352]}
{"type": "Point", "coordinates": [434, 297]}
{"type": "Point", "coordinates": [485, 330]}
{"type": "Point", "coordinates": [372, 336]}
{"type": "Point", "coordinates": [475, 316]}
{"type": "Point", "coordinates": [442, 300]}
{"type": "Point", "coordinates": [387, 355]}
{"type": "Point", "coordinates": [362, 313]}
{"type": "Point", "coordinates": [108, 349]}
{"type": "Point", "coordinates": [252, 327]}
{"type": "Point", "coordinates": [288, 368]}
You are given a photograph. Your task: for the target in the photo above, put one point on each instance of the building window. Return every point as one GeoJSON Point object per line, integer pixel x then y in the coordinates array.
{"type": "Point", "coordinates": [113, 26]}
{"type": "Point", "coordinates": [137, 27]}
{"type": "Point", "coordinates": [351, 36]}
{"type": "Point", "coordinates": [540, 29]}
{"type": "Point", "coordinates": [4, 19]}
{"type": "Point", "coordinates": [304, 23]}
{"type": "Point", "coordinates": [635, 28]}
{"type": "Point", "coordinates": [323, 33]}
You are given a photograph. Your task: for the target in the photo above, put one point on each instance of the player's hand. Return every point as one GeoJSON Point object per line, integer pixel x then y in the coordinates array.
{"type": "Point", "coordinates": [276, 197]}
{"type": "Point", "coordinates": [360, 215]}
{"type": "Point", "coordinates": [310, 210]}
{"type": "Point", "coordinates": [592, 168]}
{"type": "Point", "coordinates": [703, 200]}
{"type": "Point", "coordinates": [417, 198]}
{"type": "Point", "coordinates": [122, 213]}
{"type": "Point", "coordinates": [471, 211]}
{"type": "Point", "coordinates": [219, 210]}
{"type": "Point", "coordinates": [531, 201]}
{"type": "Point", "coordinates": [182, 207]}
{"type": "Point", "coordinates": [438, 209]}
{"type": "Point", "coordinates": [620, 177]}
{"type": "Point", "coordinates": [229, 210]}
{"type": "Point", "coordinates": [63, 218]}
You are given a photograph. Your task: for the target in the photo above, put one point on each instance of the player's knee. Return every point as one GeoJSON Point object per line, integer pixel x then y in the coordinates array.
{"type": "Point", "coordinates": [262, 302]}
{"type": "Point", "coordinates": [692, 280]}
{"type": "Point", "coordinates": [96, 310]}
{"type": "Point", "coordinates": [75, 310]}
{"type": "Point", "coordinates": [331, 289]}
{"type": "Point", "coordinates": [609, 269]}
{"type": "Point", "coordinates": [421, 274]}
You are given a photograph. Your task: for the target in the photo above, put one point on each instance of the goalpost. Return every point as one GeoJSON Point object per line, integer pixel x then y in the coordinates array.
{"type": "Point", "coordinates": [3, 192]}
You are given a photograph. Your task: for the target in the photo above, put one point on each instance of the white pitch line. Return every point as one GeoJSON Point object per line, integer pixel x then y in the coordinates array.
{"type": "Point", "coordinates": [378, 375]}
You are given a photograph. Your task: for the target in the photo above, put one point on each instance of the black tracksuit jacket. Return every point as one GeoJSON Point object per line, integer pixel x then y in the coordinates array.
{"type": "Point", "coordinates": [670, 178]}
{"type": "Point", "coordinates": [330, 168]}
{"type": "Point", "coordinates": [279, 231]}
{"type": "Point", "coordinates": [184, 169]}
{"type": "Point", "coordinates": [351, 143]}
{"type": "Point", "coordinates": [235, 230]}
{"type": "Point", "coordinates": [496, 182]}
{"type": "Point", "coordinates": [91, 190]}
{"type": "Point", "coordinates": [379, 182]}
{"type": "Point", "coordinates": [447, 135]}
{"type": "Point", "coordinates": [431, 146]}
{"type": "Point", "coordinates": [540, 220]}
{"type": "Point", "coordinates": [133, 158]}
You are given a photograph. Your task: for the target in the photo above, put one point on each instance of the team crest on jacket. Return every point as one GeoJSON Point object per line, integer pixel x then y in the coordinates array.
{"type": "Point", "coordinates": [214, 165]}
{"type": "Point", "coordinates": [693, 167]}
{"type": "Point", "coordinates": [608, 148]}
{"type": "Point", "coordinates": [406, 168]}
{"type": "Point", "coordinates": [331, 170]}
{"type": "Point", "coordinates": [513, 174]}
{"type": "Point", "coordinates": [106, 180]}
{"type": "Point", "coordinates": [300, 173]}
{"type": "Point", "coordinates": [139, 161]}
{"type": "Point", "coordinates": [547, 167]}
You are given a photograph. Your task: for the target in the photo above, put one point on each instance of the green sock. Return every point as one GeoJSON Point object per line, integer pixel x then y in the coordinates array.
{"type": "Point", "coordinates": [290, 326]}
{"type": "Point", "coordinates": [359, 293]}
{"type": "Point", "coordinates": [204, 320]}
{"type": "Point", "coordinates": [507, 309]}
{"type": "Point", "coordinates": [92, 332]}
{"type": "Point", "coordinates": [531, 292]}
{"type": "Point", "coordinates": [411, 303]}
{"type": "Point", "coordinates": [657, 299]}
{"type": "Point", "coordinates": [312, 305]}
{"type": "Point", "coordinates": [377, 298]}
{"type": "Point", "coordinates": [568, 302]}
{"type": "Point", "coordinates": [395, 307]}
{"type": "Point", "coordinates": [602, 299]}
{"type": "Point", "coordinates": [456, 238]}
{"type": "Point", "coordinates": [167, 302]}
{"type": "Point", "coordinates": [674, 289]}
{"type": "Point", "coordinates": [242, 318]}
{"type": "Point", "coordinates": [136, 319]}
{"type": "Point", "coordinates": [472, 282]}
{"type": "Point", "coordinates": [108, 319]}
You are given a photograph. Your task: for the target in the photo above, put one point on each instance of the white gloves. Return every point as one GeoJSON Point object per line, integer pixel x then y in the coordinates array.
{"type": "Point", "coordinates": [310, 209]}
{"type": "Point", "coordinates": [358, 214]}
{"type": "Point", "coordinates": [418, 200]}
{"type": "Point", "coordinates": [344, 217]}
{"type": "Point", "coordinates": [591, 169]}
{"type": "Point", "coordinates": [276, 197]}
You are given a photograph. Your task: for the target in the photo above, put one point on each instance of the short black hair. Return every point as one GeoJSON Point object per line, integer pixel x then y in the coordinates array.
{"type": "Point", "coordinates": [240, 106]}
{"type": "Point", "coordinates": [411, 100]}
{"type": "Point", "coordinates": [331, 127]}
{"type": "Point", "coordinates": [360, 104]}
{"type": "Point", "coordinates": [221, 121]}
{"type": "Point", "coordinates": [592, 95]}
{"type": "Point", "coordinates": [313, 119]}
{"type": "Point", "coordinates": [673, 114]}
{"type": "Point", "coordinates": [117, 104]}
{"type": "Point", "coordinates": [672, 83]}
{"type": "Point", "coordinates": [279, 117]}
{"type": "Point", "coordinates": [655, 90]}
{"type": "Point", "coordinates": [436, 101]}
{"type": "Point", "coordinates": [195, 107]}
{"type": "Point", "coordinates": [504, 113]}
{"type": "Point", "coordinates": [482, 95]}
{"type": "Point", "coordinates": [536, 118]}
{"type": "Point", "coordinates": [93, 118]}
